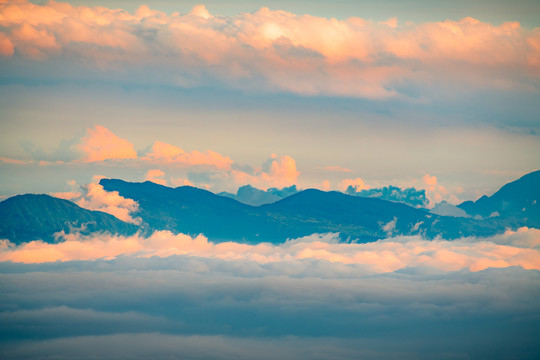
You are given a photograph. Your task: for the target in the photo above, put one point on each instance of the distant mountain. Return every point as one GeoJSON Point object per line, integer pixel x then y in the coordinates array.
{"type": "Point", "coordinates": [410, 196]}
{"type": "Point", "coordinates": [446, 209]}
{"type": "Point", "coordinates": [193, 211]}
{"type": "Point", "coordinates": [247, 194]}
{"type": "Point", "coordinates": [32, 217]}
{"type": "Point", "coordinates": [518, 201]}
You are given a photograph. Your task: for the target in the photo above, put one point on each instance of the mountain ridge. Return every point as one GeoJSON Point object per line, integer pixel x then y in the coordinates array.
{"type": "Point", "coordinates": [38, 217]}
{"type": "Point", "coordinates": [194, 211]}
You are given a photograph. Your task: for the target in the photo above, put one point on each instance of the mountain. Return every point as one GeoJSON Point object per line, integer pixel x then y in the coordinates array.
{"type": "Point", "coordinates": [518, 201]}
{"type": "Point", "coordinates": [37, 217]}
{"type": "Point", "coordinates": [446, 209]}
{"type": "Point", "coordinates": [194, 211]}
{"type": "Point", "coordinates": [247, 194]}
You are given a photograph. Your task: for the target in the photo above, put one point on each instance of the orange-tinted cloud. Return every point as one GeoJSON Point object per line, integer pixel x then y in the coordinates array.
{"type": "Point", "coordinates": [437, 193]}
{"type": "Point", "coordinates": [169, 154]}
{"type": "Point", "coordinates": [155, 176]}
{"type": "Point", "coordinates": [358, 184]}
{"type": "Point", "coordinates": [101, 144]}
{"type": "Point", "coordinates": [278, 171]}
{"type": "Point", "coordinates": [336, 169]}
{"type": "Point", "coordinates": [514, 248]}
{"type": "Point", "coordinates": [6, 46]}
{"type": "Point", "coordinates": [14, 161]}
{"type": "Point", "coordinates": [95, 197]}
{"type": "Point", "coordinates": [67, 195]}
{"type": "Point", "coordinates": [274, 49]}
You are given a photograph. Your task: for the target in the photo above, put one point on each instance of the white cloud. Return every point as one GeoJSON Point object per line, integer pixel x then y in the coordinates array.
{"type": "Point", "coordinates": [94, 197]}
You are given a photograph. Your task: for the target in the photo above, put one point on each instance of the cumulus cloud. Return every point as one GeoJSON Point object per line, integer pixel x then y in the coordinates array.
{"type": "Point", "coordinates": [410, 196]}
{"type": "Point", "coordinates": [355, 184]}
{"type": "Point", "coordinates": [273, 49]}
{"type": "Point", "coordinates": [277, 171]}
{"type": "Point", "coordinates": [208, 169]}
{"type": "Point", "coordinates": [101, 144]}
{"type": "Point", "coordinates": [155, 176]}
{"type": "Point", "coordinates": [94, 197]}
{"type": "Point", "coordinates": [169, 154]}
{"type": "Point", "coordinates": [437, 193]}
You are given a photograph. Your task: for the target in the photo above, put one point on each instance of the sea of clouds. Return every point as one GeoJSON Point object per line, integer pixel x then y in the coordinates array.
{"type": "Point", "coordinates": [176, 296]}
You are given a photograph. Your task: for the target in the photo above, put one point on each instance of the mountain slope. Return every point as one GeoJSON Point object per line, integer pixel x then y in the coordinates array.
{"type": "Point", "coordinates": [37, 217]}
{"type": "Point", "coordinates": [518, 200]}
{"type": "Point", "coordinates": [194, 211]}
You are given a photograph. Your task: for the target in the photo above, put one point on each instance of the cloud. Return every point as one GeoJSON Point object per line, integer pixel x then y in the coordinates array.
{"type": "Point", "coordinates": [276, 172]}
{"type": "Point", "coordinates": [94, 197]}
{"type": "Point", "coordinates": [200, 11]}
{"type": "Point", "coordinates": [67, 195]}
{"type": "Point", "coordinates": [274, 50]}
{"type": "Point", "coordinates": [155, 176]}
{"type": "Point", "coordinates": [430, 181]}
{"type": "Point", "coordinates": [437, 193]}
{"type": "Point", "coordinates": [7, 160]}
{"type": "Point", "coordinates": [356, 184]}
{"type": "Point", "coordinates": [207, 169]}
{"type": "Point", "coordinates": [336, 169]}
{"type": "Point", "coordinates": [311, 298]}
{"type": "Point", "coordinates": [247, 194]}
{"type": "Point", "coordinates": [169, 154]}
{"type": "Point", "coordinates": [519, 248]}
{"type": "Point", "coordinates": [6, 46]}
{"type": "Point", "coordinates": [410, 196]}
{"type": "Point", "coordinates": [101, 144]}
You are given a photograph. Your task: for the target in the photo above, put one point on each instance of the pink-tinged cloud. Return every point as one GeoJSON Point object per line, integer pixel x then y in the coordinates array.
{"type": "Point", "coordinates": [7, 160]}
{"type": "Point", "coordinates": [67, 195]}
{"type": "Point", "coordinates": [437, 193]}
{"type": "Point", "coordinates": [200, 11]}
{"type": "Point", "coordinates": [95, 197]}
{"type": "Point", "coordinates": [274, 50]}
{"type": "Point", "coordinates": [513, 248]}
{"type": "Point", "coordinates": [6, 46]}
{"type": "Point", "coordinates": [336, 169]}
{"type": "Point", "coordinates": [155, 176]}
{"type": "Point", "coordinates": [325, 185]}
{"type": "Point", "coordinates": [358, 184]}
{"type": "Point", "coordinates": [278, 171]}
{"type": "Point", "coordinates": [101, 144]}
{"type": "Point", "coordinates": [163, 153]}
{"type": "Point", "coordinates": [430, 181]}
{"type": "Point", "coordinates": [176, 182]}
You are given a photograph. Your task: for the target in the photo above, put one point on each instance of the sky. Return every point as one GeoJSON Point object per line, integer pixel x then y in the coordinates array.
{"type": "Point", "coordinates": [220, 95]}
{"type": "Point", "coordinates": [436, 95]}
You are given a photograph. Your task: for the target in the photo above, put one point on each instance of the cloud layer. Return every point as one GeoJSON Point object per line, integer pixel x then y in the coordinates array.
{"type": "Point", "coordinates": [182, 297]}
{"type": "Point", "coordinates": [273, 49]}
{"type": "Point", "coordinates": [520, 248]}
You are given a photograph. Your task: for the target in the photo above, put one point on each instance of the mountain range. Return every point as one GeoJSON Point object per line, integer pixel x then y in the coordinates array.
{"type": "Point", "coordinates": [196, 211]}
